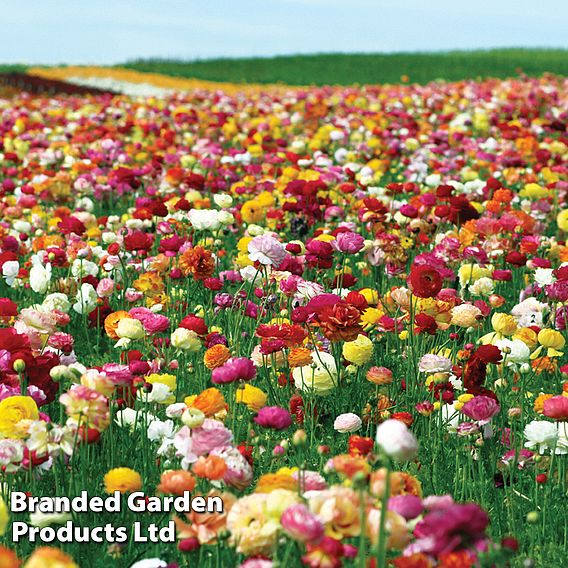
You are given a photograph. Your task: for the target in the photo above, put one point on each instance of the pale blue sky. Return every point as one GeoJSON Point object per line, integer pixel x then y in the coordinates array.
{"type": "Point", "coordinates": [112, 31]}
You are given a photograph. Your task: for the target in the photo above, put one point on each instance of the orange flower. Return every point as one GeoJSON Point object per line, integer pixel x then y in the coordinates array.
{"type": "Point", "coordinates": [205, 526]}
{"type": "Point", "coordinates": [351, 465]}
{"type": "Point", "coordinates": [544, 365]}
{"type": "Point", "coordinates": [418, 560]}
{"type": "Point", "coordinates": [210, 401]}
{"type": "Point", "coordinates": [176, 482]}
{"type": "Point", "coordinates": [271, 481]}
{"type": "Point", "coordinates": [458, 559]}
{"type": "Point", "coordinates": [8, 558]}
{"type": "Point", "coordinates": [111, 323]}
{"type": "Point", "coordinates": [48, 557]}
{"type": "Point", "coordinates": [539, 402]}
{"type": "Point", "coordinates": [198, 262]}
{"type": "Point", "coordinates": [300, 357]}
{"type": "Point", "coordinates": [215, 356]}
{"type": "Point", "coordinates": [211, 467]}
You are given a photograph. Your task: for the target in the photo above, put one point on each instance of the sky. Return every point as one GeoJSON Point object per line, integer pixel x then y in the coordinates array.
{"type": "Point", "coordinates": [107, 32]}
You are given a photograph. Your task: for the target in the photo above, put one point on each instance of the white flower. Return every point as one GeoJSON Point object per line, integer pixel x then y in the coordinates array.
{"type": "Point", "coordinates": [158, 430]}
{"type": "Point", "coordinates": [149, 563]}
{"type": "Point", "coordinates": [432, 363]}
{"type": "Point", "coordinates": [175, 410]}
{"type": "Point", "coordinates": [204, 219]}
{"type": "Point", "coordinates": [347, 422]}
{"type": "Point", "coordinates": [515, 352]}
{"type": "Point", "coordinates": [266, 250]}
{"type": "Point", "coordinates": [10, 271]}
{"type": "Point", "coordinates": [41, 520]}
{"type": "Point", "coordinates": [529, 312]}
{"type": "Point", "coordinates": [82, 267]}
{"type": "Point", "coordinates": [56, 301]}
{"type": "Point", "coordinates": [40, 277]}
{"type": "Point", "coordinates": [482, 287]}
{"type": "Point", "coordinates": [223, 200]}
{"type": "Point", "coordinates": [185, 339]}
{"type": "Point", "coordinates": [541, 434]}
{"type": "Point", "coordinates": [159, 393]}
{"type": "Point", "coordinates": [86, 299]}
{"type": "Point", "coordinates": [544, 276]}
{"type": "Point", "coordinates": [397, 440]}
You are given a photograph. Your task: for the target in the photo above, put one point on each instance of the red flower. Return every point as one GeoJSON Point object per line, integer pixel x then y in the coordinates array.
{"type": "Point", "coordinates": [340, 321]}
{"type": "Point", "coordinates": [424, 281]}
{"type": "Point", "coordinates": [425, 324]}
{"type": "Point", "coordinates": [194, 323]}
{"type": "Point", "coordinates": [138, 241]}
{"type": "Point", "coordinates": [71, 225]}
{"type": "Point", "coordinates": [8, 308]}
{"type": "Point", "coordinates": [360, 445]}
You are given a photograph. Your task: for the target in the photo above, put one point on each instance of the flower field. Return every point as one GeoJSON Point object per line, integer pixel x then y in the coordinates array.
{"type": "Point", "coordinates": [341, 310]}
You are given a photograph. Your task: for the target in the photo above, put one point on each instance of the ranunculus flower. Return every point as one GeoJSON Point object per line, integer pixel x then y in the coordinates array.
{"type": "Point", "coordinates": [396, 440]}
{"type": "Point", "coordinates": [347, 422]}
{"type": "Point", "coordinates": [273, 417]}
{"type": "Point", "coordinates": [481, 409]}
{"type": "Point", "coordinates": [235, 369]}
{"type": "Point", "coordinates": [556, 407]}
{"type": "Point", "coordinates": [301, 524]}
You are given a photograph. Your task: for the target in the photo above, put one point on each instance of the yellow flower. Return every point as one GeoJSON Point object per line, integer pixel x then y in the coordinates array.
{"type": "Point", "coordinates": [4, 517]}
{"type": "Point", "coordinates": [534, 191]}
{"type": "Point", "coordinates": [252, 212]}
{"type": "Point", "coordinates": [358, 351]}
{"type": "Point", "coordinates": [562, 220]}
{"type": "Point", "coordinates": [504, 324]}
{"type": "Point", "coordinates": [372, 296]}
{"type": "Point", "coordinates": [470, 273]}
{"type": "Point", "coordinates": [462, 399]}
{"type": "Point", "coordinates": [13, 410]}
{"type": "Point", "coordinates": [122, 479]}
{"type": "Point", "coordinates": [552, 340]}
{"type": "Point", "coordinates": [253, 397]}
{"type": "Point", "coordinates": [48, 557]}
{"type": "Point", "coordinates": [165, 379]}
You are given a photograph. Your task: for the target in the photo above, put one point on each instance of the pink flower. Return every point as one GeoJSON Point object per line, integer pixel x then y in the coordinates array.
{"type": "Point", "coordinates": [105, 288]}
{"type": "Point", "coordinates": [152, 322]}
{"type": "Point", "coordinates": [301, 524]}
{"type": "Point", "coordinates": [481, 409]}
{"type": "Point", "coordinates": [556, 407]}
{"type": "Point", "coordinates": [310, 480]}
{"type": "Point", "coordinates": [273, 417]}
{"type": "Point", "coordinates": [266, 250]}
{"type": "Point", "coordinates": [349, 242]}
{"type": "Point", "coordinates": [119, 374]}
{"type": "Point", "coordinates": [235, 369]}
{"type": "Point", "coordinates": [408, 506]}
{"type": "Point", "coordinates": [209, 436]}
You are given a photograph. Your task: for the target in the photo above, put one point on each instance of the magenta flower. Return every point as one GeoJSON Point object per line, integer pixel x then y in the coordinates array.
{"type": "Point", "coordinates": [454, 527]}
{"type": "Point", "coordinates": [235, 369]}
{"type": "Point", "coordinates": [481, 409]}
{"type": "Point", "coordinates": [301, 524]}
{"type": "Point", "coordinates": [273, 417]}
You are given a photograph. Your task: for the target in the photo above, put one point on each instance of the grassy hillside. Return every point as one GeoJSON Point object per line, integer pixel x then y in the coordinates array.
{"type": "Point", "coordinates": [339, 68]}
